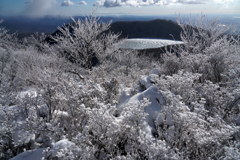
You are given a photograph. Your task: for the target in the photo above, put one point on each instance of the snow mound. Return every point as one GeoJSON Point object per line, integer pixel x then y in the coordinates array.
{"type": "Point", "coordinates": [155, 71]}
{"type": "Point", "coordinates": [36, 154]}
{"type": "Point", "coordinates": [147, 81]}
{"type": "Point", "coordinates": [148, 91]}
{"type": "Point", "coordinates": [156, 102]}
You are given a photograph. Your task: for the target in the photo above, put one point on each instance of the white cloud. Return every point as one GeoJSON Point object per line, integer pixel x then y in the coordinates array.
{"type": "Point", "coordinates": [117, 3]}
{"type": "Point", "coordinates": [223, 1]}
{"type": "Point", "coordinates": [67, 3]}
{"type": "Point", "coordinates": [38, 7]}
{"type": "Point", "coordinates": [82, 3]}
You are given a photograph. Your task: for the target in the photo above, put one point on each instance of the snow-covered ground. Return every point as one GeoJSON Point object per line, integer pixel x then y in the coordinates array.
{"type": "Point", "coordinates": [146, 43]}
{"type": "Point", "coordinates": [36, 154]}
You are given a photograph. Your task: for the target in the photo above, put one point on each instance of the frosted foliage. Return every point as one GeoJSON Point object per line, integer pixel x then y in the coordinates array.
{"type": "Point", "coordinates": [85, 42]}
{"type": "Point", "coordinates": [232, 152]}
{"type": "Point", "coordinates": [5, 38]}
{"type": "Point", "coordinates": [199, 35]}
{"type": "Point", "coordinates": [55, 104]}
{"type": "Point", "coordinates": [189, 131]}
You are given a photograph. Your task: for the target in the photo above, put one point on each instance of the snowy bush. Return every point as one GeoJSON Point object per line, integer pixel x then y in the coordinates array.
{"type": "Point", "coordinates": [193, 134]}
{"type": "Point", "coordinates": [201, 33]}
{"type": "Point", "coordinates": [7, 39]}
{"type": "Point", "coordinates": [187, 107]}
{"type": "Point", "coordinates": [85, 42]}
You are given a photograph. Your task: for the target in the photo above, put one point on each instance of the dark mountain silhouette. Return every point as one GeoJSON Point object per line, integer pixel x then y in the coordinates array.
{"type": "Point", "coordinates": [160, 29]}
{"type": "Point", "coordinates": [26, 26]}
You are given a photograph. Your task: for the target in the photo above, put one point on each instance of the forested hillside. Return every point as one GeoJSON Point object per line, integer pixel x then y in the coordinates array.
{"type": "Point", "coordinates": [56, 103]}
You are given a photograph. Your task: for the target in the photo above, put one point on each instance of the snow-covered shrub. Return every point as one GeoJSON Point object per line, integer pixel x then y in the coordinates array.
{"type": "Point", "coordinates": [106, 136]}
{"type": "Point", "coordinates": [16, 135]}
{"type": "Point", "coordinates": [38, 41]}
{"type": "Point", "coordinates": [207, 85]}
{"type": "Point", "coordinates": [4, 60]}
{"type": "Point", "coordinates": [85, 41]}
{"type": "Point", "coordinates": [185, 108]}
{"type": "Point", "coordinates": [8, 43]}
{"type": "Point", "coordinates": [212, 53]}
{"type": "Point", "coordinates": [25, 68]}
{"type": "Point", "coordinates": [232, 152]}
{"type": "Point", "coordinates": [171, 65]}
{"type": "Point", "coordinates": [206, 50]}
{"type": "Point", "coordinates": [193, 134]}
{"type": "Point", "coordinates": [201, 33]}
{"type": "Point", "coordinates": [181, 84]}
{"type": "Point", "coordinates": [129, 59]}
{"type": "Point", "coordinates": [6, 39]}
{"type": "Point", "coordinates": [189, 86]}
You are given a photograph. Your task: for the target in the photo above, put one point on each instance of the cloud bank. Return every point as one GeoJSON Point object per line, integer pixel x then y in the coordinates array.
{"type": "Point", "coordinates": [67, 3]}
{"type": "Point", "coordinates": [82, 3]}
{"type": "Point", "coordinates": [39, 7]}
{"type": "Point", "coordinates": [137, 3]}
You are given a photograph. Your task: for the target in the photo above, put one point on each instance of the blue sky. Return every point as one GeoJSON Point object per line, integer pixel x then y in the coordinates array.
{"type": "Point", "coordinates": [38, 8]}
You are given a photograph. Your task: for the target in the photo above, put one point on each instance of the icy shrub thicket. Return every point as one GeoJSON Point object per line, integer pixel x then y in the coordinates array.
{"type": "Point", "coordinates": [53, 106]}
{"type": "Point", "coordinates": [85, 42]}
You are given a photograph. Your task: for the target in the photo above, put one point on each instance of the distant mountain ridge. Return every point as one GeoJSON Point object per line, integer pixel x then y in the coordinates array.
{"type": "Point", "coordinates": [130, 26]}
{"type": "Point", "coordinates": [159, 29]}
{"type": "Point", "coordinates": [153, 29]}
{"type": "Point", "coordinates": [48, 24]}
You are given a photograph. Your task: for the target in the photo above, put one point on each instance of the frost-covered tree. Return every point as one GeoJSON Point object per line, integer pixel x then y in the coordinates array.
{"type": "Point", "coordinates": [200, 33]}
{"type": "Point", "coordinates": [85, 41]}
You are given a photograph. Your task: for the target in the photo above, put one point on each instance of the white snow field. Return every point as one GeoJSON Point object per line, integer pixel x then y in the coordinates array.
{"type": "Point", "coordinates": [146, 43]}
